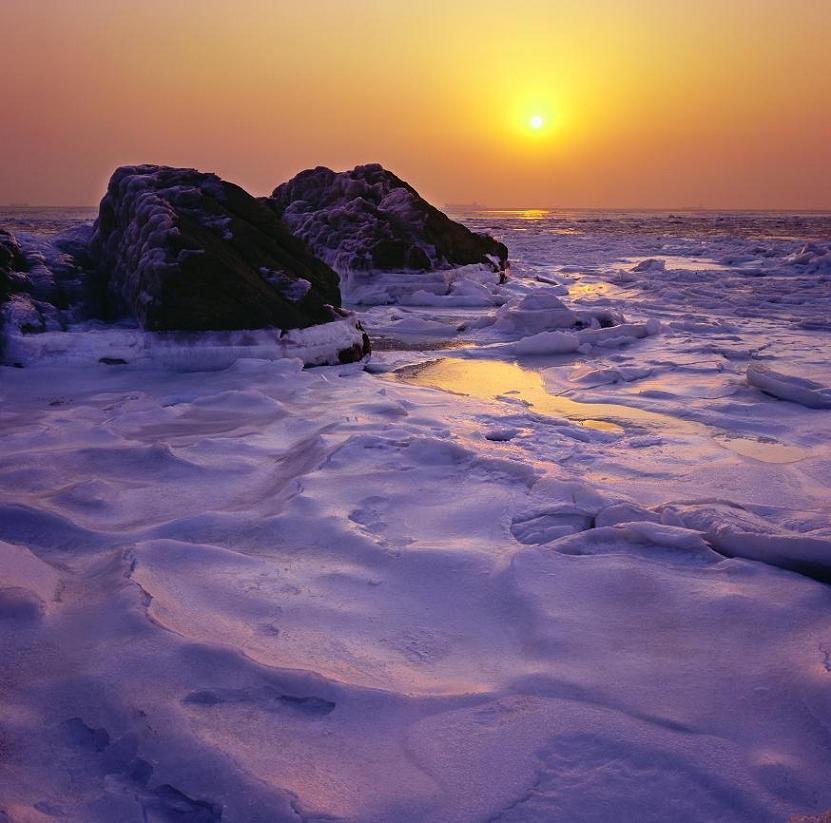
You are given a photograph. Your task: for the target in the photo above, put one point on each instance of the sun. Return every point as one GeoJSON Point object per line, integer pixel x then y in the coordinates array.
{"type": "Point", "coordinates": [536, 122]}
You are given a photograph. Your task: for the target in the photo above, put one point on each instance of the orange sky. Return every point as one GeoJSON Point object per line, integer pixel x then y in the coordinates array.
{"type": "Point", "coordinates": [647, 103]}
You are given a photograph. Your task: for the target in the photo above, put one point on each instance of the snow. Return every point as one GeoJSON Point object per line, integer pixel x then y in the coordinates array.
{"type": "Point", "coordinates": [559, 342]}
{"type": "Point", "coordinates": [650, 265]}
{"type": "Point", "coordinates": [540, 310]}
{"type": "Point", "coordinates": [515, 571]}
{"type": "Point", "coordinates": [91, 343]}
{"type": "Point", "coordinates": [789, 387]}
{"type": "Point", "coordinates": [472, 286]}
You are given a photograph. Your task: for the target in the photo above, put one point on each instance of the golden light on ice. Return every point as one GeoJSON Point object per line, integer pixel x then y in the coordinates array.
{"type": "Point", "coordinates": [536, 122]}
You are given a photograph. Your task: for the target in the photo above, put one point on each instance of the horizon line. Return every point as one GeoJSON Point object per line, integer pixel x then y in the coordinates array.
{"type": "Point", "coordinates": [479, 207]}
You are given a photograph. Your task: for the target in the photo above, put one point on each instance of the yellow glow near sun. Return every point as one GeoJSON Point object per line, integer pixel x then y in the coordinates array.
{"type": "Point", "coordinates": [536, 112]}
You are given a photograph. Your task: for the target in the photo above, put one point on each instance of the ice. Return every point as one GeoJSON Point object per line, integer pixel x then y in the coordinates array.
{"type": "Point", "coordinates": [813, 257]}
{"type": "Point", "coordinates": [739, 533]}
{"type": "Point", "coordinates": [540, 310]}
{"type": "Point", "coordinates": [789, 387]}
{"type": "Point", "coordinates": [548, 342]}
{"type": "Point", "coordinates": [558, 342]}
{"type": "Point", "coordinates": [651, 264]}
{"type": "Point", "coordinates": [559, 554]}
{"type": "Point", "coordinates": [202, 351]}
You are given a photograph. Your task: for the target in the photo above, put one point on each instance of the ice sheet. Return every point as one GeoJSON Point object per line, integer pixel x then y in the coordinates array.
{"type": "Point", "coordinates": [265, 593]}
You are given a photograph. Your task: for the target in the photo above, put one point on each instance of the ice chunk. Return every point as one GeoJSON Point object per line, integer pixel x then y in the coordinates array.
{"type": "Point", "coordinates": [789, 387]}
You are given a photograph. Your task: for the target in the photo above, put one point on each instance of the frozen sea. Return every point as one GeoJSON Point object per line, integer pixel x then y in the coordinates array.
{"type": "Point", "coordinates": [508, 572]}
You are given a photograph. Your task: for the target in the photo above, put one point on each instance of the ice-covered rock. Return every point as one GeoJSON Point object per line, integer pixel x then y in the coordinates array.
{"type": "Point", "coordinates": [541, 324]}
{"type": "Point", "coordinates": [789, 387]}
{"type": "Point", "coordinates": [367, 219]}
{"type": "Point", "coordinates": [32, 299]}
{"type": "Point", "coordinates": [12, 277]}
{"type": "Point", "coordinates": [11, 258]}
{"type": "Point", "coordinates": [182, 250]}
{"type": "Point", "coordinates": [472, 286]}
{"type": "Point", "coordinates": [173, 251]}
{"type": "Point", "coordinates": [547, 342]}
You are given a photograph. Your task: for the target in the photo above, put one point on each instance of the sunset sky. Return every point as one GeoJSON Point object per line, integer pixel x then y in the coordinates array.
{"type": "Point", "coordinates": [643, 103]}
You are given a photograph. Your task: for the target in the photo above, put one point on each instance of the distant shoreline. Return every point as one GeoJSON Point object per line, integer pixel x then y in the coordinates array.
{"type": "Point", "coordinates": [638, 209]}
{"type": "Point", "coordinates": [475, 207]}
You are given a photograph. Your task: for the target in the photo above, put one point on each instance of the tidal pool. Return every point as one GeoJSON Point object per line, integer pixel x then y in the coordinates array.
{"type": "Point", "coordinates": [495, 379]}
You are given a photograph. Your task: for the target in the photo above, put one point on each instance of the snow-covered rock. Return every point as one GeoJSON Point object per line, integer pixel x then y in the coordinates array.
{"type": "Point", "coordinates": [540, 323]}
{"type": "Point", "coordinates": [11, 258]}
{"type": "Point", "coordinates": [172, 251]}
{"type": "Point", "coordinates": [472, 286]}
{"type": "Point", "coordinates": [340, 341]}
{"type": "Point", "coordinates": [43, 285]}
{"type": "Point", "coordinates": [367, 219]}
{"type": "Point", "coordinates": [12, 277]}
{"type": "Point", "coordinates": [185, 250]}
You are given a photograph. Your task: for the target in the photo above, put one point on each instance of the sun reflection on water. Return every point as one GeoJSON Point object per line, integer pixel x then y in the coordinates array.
{"type": "Point", "coordinates": [498, 380]}
{"type": "Point", "coordinates": [493, 380]}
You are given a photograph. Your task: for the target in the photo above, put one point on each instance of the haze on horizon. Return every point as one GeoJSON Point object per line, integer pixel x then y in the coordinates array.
{"type": "Point", "coordinates": [695, 103]}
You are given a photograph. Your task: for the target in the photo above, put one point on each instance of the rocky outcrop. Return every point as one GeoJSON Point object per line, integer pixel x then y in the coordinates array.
{"type": "Point", "coordinates": [13, 267]}
{"type": "Point", "coordinates": [186, 251]}
{"type": "Point", "coordinates": [46, 284]}
{"type": "Point", "coordinates": [11, 258]}
{"type": "Point", "coordinates": [181, 253]}
{"type": "Point", "coordinates": [368, 219]}
{"type": "Point", "coordinates": [19, 307]}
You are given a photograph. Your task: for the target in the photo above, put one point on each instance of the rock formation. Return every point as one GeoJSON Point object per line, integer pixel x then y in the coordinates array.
{"type": "Point", "coordinates": [180, 251]}
{"type": "Point", "coordinates": [368, 219]}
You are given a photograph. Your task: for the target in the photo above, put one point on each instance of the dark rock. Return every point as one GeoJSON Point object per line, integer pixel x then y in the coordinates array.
{"type": "Point", "coordinates": [12, 266]}
{"type": "Point", "coordinates": [80, 288]}
{"type": "Point", "coordinates": [11, 257]}
{"type": "Point", "coordinates": [16, 306]}
{"type": "Point", "coordinates": [46, 284]}
{"type": "Point", "coordinates": [184, 250]}
{"type": "Point", "coordinates": [179, 252]}
{"type": "Point", "coordinates": [369, 219]}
